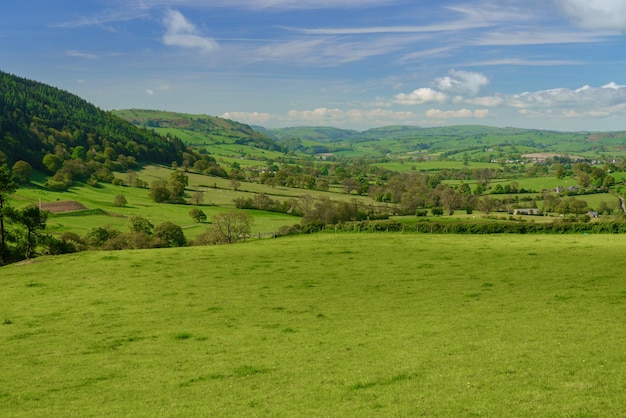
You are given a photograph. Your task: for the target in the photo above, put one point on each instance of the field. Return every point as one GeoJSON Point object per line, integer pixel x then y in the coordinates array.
{"type": "Point", "coordinates": [321, 325]}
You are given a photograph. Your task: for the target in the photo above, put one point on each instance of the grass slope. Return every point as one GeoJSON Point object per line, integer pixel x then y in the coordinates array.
{"type": "Point", "coordinates": [324, 325]}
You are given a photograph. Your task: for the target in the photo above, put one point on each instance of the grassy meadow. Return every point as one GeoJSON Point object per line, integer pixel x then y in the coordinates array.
{"type": "Point", "coordinates": [320, 325]}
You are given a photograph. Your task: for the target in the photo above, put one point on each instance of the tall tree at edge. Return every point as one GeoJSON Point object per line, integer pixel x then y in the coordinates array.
{"type": "Point", "coordinates": [7, 187]}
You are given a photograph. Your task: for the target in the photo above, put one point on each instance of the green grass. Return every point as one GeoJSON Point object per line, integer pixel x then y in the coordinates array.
{"type": "Point", "coordinates": [140, 204]}
{"type": "Point", "coordinates": [323, 325]}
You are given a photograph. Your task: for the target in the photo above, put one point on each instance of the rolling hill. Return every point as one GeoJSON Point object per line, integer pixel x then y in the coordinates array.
{"type": "Point", "coordinates": [199, 130]}
{"type": "Point", "coordinates": [37, 119]}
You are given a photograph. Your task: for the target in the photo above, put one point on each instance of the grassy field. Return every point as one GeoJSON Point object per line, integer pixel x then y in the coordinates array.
{"type": "Point", "coordinates": [216, 200]}
{"type": "Point", "coordinates": [322, 325]}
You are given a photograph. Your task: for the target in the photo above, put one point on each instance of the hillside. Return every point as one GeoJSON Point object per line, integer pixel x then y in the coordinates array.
{"type": "Point", "coordinates": [37, 119]}
{"type": "Point", "coordinates": [199, 130]}
{"type": "Point", "coordinates": [326, 325]}
{"type": "Point", "coordinates": [481, 142]}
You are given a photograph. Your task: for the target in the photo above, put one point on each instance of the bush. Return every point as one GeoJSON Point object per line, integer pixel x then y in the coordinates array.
{"type": "Point", "coordinates": [437, 211]}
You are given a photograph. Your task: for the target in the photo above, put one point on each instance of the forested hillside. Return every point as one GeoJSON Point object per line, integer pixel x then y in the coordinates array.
{"type": "Point", "coordinates": [208, 130]}
{"type": "Point", "coordinates": [37, 120]}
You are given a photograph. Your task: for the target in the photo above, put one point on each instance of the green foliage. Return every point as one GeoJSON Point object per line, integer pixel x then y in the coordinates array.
{"type": "Point", "coordinates": [7, 187]}
{"type": "Point", "coordinates": [227, 228]}
{"type": "Point", "coordinates": [437, 211]}
{"type": "Point", "coordinates": [120, 201]}
{"type": "Point", "coordinates": [22, 171]}
{"type": "Point", "coordinates": [197, 215]}
{"type": "Point", "coordinates": [140, 224]}
{"type": "Point", "coordinates": [170, 234]}
{"type": "Point", "coordinates": [44, 126]}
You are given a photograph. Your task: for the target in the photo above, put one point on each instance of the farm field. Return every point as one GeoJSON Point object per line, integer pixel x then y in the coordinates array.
{"type": "Point", "coordinates": [216, 200]}
{"type": "Point", "coordinates": [320, 325]}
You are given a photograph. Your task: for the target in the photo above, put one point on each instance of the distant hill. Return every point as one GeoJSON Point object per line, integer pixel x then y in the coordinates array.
{"type": "Point", "coordinates": [199, 129]}
{"type": "Point", "coordinates": [310, 133]}
{"type": "Point", "coordinates": [448, 140]}
{"type": "Point", "coordinates": [37, 119]}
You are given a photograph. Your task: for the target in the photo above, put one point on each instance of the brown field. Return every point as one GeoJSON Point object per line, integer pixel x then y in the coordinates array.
{"type": "Point", "coordinates": [64, 206]}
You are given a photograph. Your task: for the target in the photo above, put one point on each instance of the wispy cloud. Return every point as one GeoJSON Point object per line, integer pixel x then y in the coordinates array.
{"type": "Point", "coordinates": [180, 32]}
{"type": "Point", "coordinates": [536, 38]}
{"type": "Point", "coordinates": [130, 11]}
{"type": "Point", "coordinates": [327, 51]}
{"type": "Point", "coordinates": [596, 14]}
{"type": "Point", "coordinates": [522, 62]}
{"type": "Point", "coordinates": [78, 54]}
{"type": "Point", "coordinates": [442, 27]}
{"type": "Point", "coordinates": [268, 4]}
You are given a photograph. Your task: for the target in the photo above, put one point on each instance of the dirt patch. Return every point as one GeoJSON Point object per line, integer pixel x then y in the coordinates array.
{"type": "Point", "coordinates": [60, 207]}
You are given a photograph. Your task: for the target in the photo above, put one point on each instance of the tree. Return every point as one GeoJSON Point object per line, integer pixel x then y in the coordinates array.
{"type": "Point", "coordinates": [349, 184]}
{"type": "Point", "coordinates": [198, 197]}
{"type": "Point", "coordinates": [559, 171]}
{"type": "Point", "coordinates": [229, 227]}
{"type": "Point", "coordinates": [52, 162]}
{"type": "Point", "coordinates": [22, 171]}
{"type": "Point", "coordinates": [120, 201]}
{"type": "Point", "coordinates": [7, 187]}
{"type": "Point", "coordinates": [170, 234]}
{"type": "Point", "coordinates": [159, 191]}
{"type": "Point", "coordinates": [34, 220]}
{"type": "Point", "coordinates": [140, 224]}
{"type": "Point", "coordinates": [177, 184]}
{"type": "Point", "coordinates": [197, 215]}
{"type": "Point", "coordinates": [450, 200]}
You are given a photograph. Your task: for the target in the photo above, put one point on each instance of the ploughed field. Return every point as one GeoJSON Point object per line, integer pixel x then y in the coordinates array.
{"type": "Point", "coordinates": [321, 325]}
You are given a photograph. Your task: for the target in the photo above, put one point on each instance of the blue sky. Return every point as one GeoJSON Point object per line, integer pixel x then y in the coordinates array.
{"type": "Point", "coordinates": [553, 64]}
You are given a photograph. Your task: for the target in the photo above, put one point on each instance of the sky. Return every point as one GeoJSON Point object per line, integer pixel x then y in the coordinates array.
{"type": "Point", "coordinates": [355, 64]}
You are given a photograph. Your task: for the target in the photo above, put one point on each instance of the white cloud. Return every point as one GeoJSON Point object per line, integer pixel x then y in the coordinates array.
{"type": "Point", "coordinates": [150, 92]}
{"type": "Point", "coordinates": [456, 114]}
{"type": "Point", "coordinates": [586, 101]}
{"type": "Point", "coordinates": [252, 118]}
{"type": "Point", "coordinates": [420, 96]}
{"type": "Point", "coordinates": [596, 14]}
{"type": "Point", "coordinates": [462, 82]}
{"type": "Point", "coordinates": [180, 32]}
{"type": "Point", "coordinates": [326, 116]}
{"type": "Point", "coordinates": [487, 101]}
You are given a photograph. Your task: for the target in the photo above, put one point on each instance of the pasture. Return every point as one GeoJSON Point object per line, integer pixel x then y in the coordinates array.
{"type": "Point", "coordinates": [320, 325]}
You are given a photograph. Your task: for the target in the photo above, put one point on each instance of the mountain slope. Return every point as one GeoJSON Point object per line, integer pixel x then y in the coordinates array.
{"type": "Point", "coordinates": [37, 119]}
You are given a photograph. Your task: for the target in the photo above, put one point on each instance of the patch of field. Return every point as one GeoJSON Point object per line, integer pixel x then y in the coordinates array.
{"type": "Point", "coordinates": [62, 206]}
{"type": "Point", "coordinates": [321, 325]}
